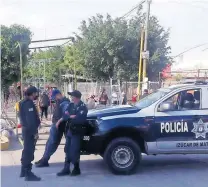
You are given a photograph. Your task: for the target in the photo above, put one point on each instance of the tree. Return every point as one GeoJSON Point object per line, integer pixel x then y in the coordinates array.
{"type": "Point", "coordinates": [53, 59]}
{"type": "Point", "coordinates": [159, 49]}
{"type": "Point", "coordinates": [73, 62]}
{"type": "Point", "coordinates": [10, 55]}
{"type": "Point", "coordinates": [110, 47]}
{"type": "Point", "coordinates": [101, 46]}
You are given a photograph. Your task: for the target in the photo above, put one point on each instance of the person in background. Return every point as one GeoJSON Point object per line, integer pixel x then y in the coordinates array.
{"type": "Point", "coordinates": [114, 98]}
{"type": "Point", "coordinates": [134, 98]}
{"type": "Point", "coordinates": [30, 122]}
{"type": "Point", "coordinates": [145, 94]}
{"type": "Point", "coordinates": [91, 102]}
{"type": "Point", "coordinates": [6, 97]}
{"type": "Point", "coordinates": [124, 98]}
{"type": "Point", "coordinates": [44, 104]}
{"type": "Point", "coordinates": [103, 97]}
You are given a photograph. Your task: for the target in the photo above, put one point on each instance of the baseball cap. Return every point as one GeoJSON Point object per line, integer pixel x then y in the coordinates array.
{"type": "Point", "coordinates": [54, 93]}
{"type": "Point", "coordinates": [31, 90]}
{"type": "Point", "coordinates": [76, 94]}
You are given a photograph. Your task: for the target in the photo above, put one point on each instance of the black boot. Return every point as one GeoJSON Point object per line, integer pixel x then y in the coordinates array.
{"type": "Point", "coordinates": [22, 172]}
{"type": "Point", "coordinates": [41, 163]}
{"type": "Point", "coordinates": [65, 171]}
{"type": "Point", "coordinates": [76, 171]}
{"type": "Point", "coordinates": [30, 176]}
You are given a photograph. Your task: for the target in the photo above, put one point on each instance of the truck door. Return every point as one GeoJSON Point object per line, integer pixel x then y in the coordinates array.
{"type": "Point", "coordinates": [200, 121]}
{"type": "Point", "coordinates": [178, 119]}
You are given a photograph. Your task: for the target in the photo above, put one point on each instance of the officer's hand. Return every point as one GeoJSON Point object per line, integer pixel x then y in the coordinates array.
{"type": "Point", "coordinates": [66, 112]}
{"type": "Point", "coordinates": [72, 116]}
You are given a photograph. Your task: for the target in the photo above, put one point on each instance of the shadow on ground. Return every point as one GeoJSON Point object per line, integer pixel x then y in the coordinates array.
{"type": "Point", "coordinates": [14, 144]}
{"type": "Point", "coordinates": [149, 164]}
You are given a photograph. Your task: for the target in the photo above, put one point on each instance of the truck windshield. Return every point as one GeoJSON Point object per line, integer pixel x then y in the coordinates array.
{"type": "Point", "coordinates": [152, 98]}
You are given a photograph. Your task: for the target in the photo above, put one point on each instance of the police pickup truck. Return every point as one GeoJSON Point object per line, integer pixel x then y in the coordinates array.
{"type": "Point", "coordinates": [171, 120]}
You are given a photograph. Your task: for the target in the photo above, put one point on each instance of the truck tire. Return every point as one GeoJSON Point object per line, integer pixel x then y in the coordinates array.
{"type": "Point", "coordinates": [122, 156]}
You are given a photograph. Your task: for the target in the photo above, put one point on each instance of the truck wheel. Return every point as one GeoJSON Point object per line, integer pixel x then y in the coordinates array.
{"type": "Point", "coordinates": [122, 156]}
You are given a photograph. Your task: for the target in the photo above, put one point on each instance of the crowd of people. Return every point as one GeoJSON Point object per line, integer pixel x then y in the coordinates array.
{"type": "Point", "coordinates": [104, 99]}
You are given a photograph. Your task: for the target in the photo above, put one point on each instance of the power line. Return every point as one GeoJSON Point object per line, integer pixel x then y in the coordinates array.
{"type": "Point", "coordinates": [190, 4]}
{"type": "Point", "coordinates": [70, 38]}
{"type": "Point", "coordinates": [130, 11]}
{"type": "Point", "coordinates": [65, 43]}
{"type": "Point", "coordinates": [197, 46]}
{"type": "Point", "coordinates": [200, 2]}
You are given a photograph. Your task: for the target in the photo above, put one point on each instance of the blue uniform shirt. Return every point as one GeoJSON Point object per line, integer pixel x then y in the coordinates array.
{"type": "Point", "coordinates": [80, 110]}
{"type": "Point", "coordinates": [29, 117]}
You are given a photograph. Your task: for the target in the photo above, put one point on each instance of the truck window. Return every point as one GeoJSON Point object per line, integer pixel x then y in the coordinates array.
{"type": "Point", "coordinates": [152, 98]}
{"type": "Point", "coordinates": [185, 100]}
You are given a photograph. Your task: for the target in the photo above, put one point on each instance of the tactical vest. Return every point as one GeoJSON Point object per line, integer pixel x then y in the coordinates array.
{"type": "Point", "coordinates": [57, 113]}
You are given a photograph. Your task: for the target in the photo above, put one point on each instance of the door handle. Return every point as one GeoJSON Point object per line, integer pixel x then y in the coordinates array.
{"type": "Point", "coordinates": [149, 119]}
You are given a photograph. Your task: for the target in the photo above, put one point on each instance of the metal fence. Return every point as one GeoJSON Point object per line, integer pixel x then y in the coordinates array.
{"type": "Point", "coordinates": [95, 88]}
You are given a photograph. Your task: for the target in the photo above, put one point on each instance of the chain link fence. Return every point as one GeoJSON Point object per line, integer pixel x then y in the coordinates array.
{"type": "Point", "coordinates": [94, 88]}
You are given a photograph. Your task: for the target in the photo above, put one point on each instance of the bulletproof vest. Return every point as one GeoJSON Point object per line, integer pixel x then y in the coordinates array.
{"type": "Point", "coordinates": [57, 114]}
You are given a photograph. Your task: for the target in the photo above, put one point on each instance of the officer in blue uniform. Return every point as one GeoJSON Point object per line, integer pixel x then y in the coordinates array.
{"type": "Point", "coordinates": [62, 103]}
{"type": "Point", "coordinates": [30, 121]}
{"type": "Point", "coordinates": [76, 116]}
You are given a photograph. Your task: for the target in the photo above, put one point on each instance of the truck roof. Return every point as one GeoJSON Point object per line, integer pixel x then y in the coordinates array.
{"type": "Point", "coordinates": [197, 84]}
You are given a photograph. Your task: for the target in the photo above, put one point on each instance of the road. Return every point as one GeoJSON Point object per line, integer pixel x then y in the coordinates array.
{"type": "Point", "coordinates": [155, 171]}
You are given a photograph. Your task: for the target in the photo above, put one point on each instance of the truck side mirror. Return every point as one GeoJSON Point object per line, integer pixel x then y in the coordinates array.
{"type": "Point", "coordinates": [166, 106]}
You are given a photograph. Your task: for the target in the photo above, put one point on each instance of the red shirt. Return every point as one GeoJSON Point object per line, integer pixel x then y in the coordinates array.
{"type": "Point", "coordinates": [134, 98]}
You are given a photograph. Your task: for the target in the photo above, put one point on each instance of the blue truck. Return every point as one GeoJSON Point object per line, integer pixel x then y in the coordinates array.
{"type": "Point", "coordinates": [171, 120]}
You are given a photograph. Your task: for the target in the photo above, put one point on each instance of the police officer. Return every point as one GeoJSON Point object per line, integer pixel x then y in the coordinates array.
{"type": "Point", "coordinates": [76, 115]}
{"type": "Point", "coordinates": [30, 121]}
{"type": "Point", "coordinates": [62, 103]}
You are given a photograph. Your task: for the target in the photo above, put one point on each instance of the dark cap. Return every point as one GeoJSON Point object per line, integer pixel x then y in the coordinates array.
{"type": "Point", "coordinates": [54, 93]}
{"type": "Point", "coordinates": [76, 94]}
{"type": "Point", "coordinates": [31, 90]}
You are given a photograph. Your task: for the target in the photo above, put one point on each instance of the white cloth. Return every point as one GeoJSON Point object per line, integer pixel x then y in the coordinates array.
{"type": "Point", "coordinates": [114, 97]}
{"type": "Point", "coordinates": [91, 103]}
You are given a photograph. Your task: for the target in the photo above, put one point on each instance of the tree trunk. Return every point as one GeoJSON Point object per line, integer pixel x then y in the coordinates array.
{"type": "Point", "coordinates": [111, 80]}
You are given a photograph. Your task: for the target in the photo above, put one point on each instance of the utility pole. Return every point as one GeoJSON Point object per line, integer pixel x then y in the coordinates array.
{"type": "Point", "coordinates": [140, 62]}
{"type": "Point", "coordinates": [44, 64]}
{"type": "Point", "coordinates": [44, 77]}
{"type": "Point", "coordinates": [39, 75]}
{"type": "Point", "coordinates": [146, 56]}
{"type": "Point", "coordinates": [21, 70]}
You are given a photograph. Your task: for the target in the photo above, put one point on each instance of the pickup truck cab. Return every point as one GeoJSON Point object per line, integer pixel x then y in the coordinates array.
{"type": "Point", "coordinates": [171, 120]}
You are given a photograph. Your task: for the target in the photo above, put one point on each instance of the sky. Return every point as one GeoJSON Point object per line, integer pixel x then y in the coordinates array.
{"type": "Point", "coordinates": [47, 19]}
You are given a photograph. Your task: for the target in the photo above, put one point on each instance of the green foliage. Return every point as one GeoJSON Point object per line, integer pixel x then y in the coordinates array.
{"type": "Point", "coordinates": [110, 47]}
{"type": "Point", "coordinates": [72, 61]}
{"type": "Point", "coordinates": [159, 49]}
{"type": "Point", "coordinates": [10, 54]}
{"type": "Point", "coordinates": [53, 59]}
